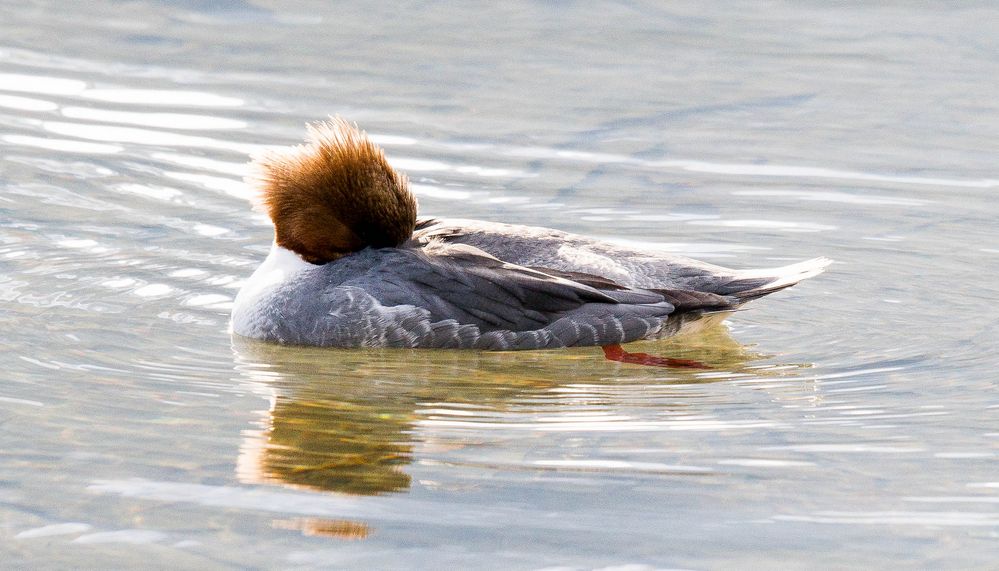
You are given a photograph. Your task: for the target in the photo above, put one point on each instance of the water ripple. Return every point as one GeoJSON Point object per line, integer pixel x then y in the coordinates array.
{"type": "Point", "coordinates": [136, 136]}
{"type": "Point", "coordinates": [26, 103]}
{"type": "Point", "coordinates": [911, 518]}
{"type": "Point", "coordinates": [40, 84]}
{"type": "Point", "coordinates": [63, 145]}
{"type": "Point", "coordinates": [185, 122]}
{"type": "Point", "coordinates": [164, 97]}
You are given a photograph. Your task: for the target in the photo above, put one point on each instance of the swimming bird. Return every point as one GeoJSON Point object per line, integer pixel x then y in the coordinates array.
{"type": "Point", "coordinates": [353, 265]}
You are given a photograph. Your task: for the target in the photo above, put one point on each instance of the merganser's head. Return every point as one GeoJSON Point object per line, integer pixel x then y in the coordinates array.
{"type": "Point", "coordinates": [334, 195]}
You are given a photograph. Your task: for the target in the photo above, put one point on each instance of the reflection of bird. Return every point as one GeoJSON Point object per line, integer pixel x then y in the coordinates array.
{"type": "Point", "coordinates": [344, 421]}
{"type": "Point", "coordinates": [352, 266]}
{"type": "Point", "coordinates": [321, 434]}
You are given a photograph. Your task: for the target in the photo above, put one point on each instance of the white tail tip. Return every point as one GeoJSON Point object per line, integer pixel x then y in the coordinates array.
{"type": "Point", "coordinates": [790, 275]}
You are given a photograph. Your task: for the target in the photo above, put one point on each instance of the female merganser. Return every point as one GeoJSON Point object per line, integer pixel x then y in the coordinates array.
{"type": "Point", "coordinates": [353, 266]}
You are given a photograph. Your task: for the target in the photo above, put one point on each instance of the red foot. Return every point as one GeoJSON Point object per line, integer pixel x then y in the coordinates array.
{"type": "Point", "coordinates": [616, 353]}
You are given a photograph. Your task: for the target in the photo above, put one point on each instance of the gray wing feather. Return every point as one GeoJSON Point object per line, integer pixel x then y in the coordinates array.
{"type": "Point", "coordinates": [459, 297]}
{"type": "Point", "coordinates": [570, 254]}
{"type": "Point", "coordinates": [472, 287]}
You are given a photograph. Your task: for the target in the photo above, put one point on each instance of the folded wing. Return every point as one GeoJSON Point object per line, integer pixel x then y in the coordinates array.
{"type": "Point", "coordinates": [458, 296]}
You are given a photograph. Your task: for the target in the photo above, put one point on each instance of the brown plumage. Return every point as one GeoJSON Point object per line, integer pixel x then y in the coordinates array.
{"type": "Point", "coordinates": [335, 194]}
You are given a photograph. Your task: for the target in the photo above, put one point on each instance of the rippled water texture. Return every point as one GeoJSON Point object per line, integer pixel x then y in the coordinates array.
{"type": "Point", "coordinates": [850, 422]}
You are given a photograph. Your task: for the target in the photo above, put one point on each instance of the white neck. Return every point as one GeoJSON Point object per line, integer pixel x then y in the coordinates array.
{"type": "Point", "coordinates": [279, 266]}
{"type": "Point", "coordinates": [284, 259]}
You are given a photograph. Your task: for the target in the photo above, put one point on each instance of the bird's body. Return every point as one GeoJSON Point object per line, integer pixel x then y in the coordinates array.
{"type": "Point", "coordinates": [383, 278]}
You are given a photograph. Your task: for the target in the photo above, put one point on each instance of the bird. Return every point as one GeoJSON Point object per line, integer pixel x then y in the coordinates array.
{"type": "Point", "coordinates": [352, 264]}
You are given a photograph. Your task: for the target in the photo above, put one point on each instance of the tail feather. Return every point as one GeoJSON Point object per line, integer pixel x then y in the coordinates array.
{"type": "Point", "coordinates": [684, 301]}
{"type": "Point", "coordinates": [780, 278]}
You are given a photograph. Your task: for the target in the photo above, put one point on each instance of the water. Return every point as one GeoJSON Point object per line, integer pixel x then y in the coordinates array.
{"type": "Point", "coordinates": [848, 422]}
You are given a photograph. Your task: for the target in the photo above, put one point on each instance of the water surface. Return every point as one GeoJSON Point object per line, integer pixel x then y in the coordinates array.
{"type": "Point", "coordinates": [848, 422]}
